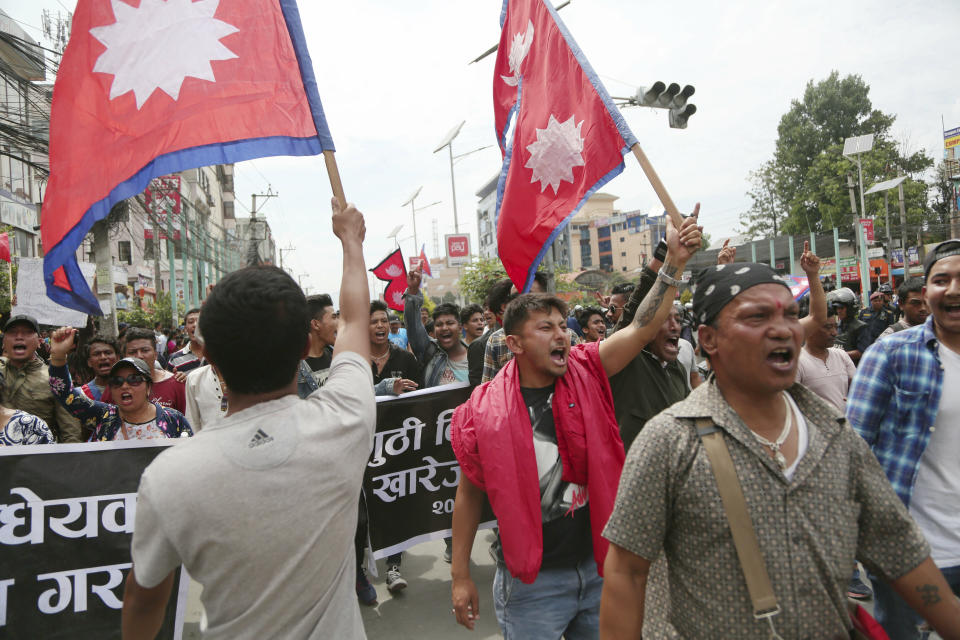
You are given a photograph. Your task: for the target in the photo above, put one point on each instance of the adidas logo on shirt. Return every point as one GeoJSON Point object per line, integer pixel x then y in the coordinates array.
{"type": "Point", "coordinates": [259, 438]}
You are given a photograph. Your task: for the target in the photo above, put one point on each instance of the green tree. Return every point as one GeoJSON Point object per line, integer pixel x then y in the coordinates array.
{"type": "Point", "coordinates": [804, 186]}
{"type": "Point", "coordinates": [478, 277]}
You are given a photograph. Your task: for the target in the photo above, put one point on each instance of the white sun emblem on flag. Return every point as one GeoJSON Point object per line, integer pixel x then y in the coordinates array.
{"type": "Point", "coordinates": [158, 44]}
{"type": "Point", "coordinates": [555, 153]}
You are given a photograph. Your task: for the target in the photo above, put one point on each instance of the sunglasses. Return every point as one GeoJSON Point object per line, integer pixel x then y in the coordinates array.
{"type": "Point", "coordinates": [133, 380]}
{"type": "Point", "coordinates": [612, 308]}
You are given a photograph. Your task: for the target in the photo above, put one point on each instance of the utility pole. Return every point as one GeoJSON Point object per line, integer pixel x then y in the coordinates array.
{"type": "Point", "coordinates": [101, 251]}
{"type": "Point", "coordinates": [288, 250]}
{"type": "Point", "coordinates": [174, 320]}
{"type": "Point", "coordinates": [903, 231]}
{"type": "Point", "coordinates": [253, 253]}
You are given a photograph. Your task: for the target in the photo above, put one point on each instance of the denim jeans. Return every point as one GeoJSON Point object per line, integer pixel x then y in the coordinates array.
{"type": "Point", "coordinates": [899, 620]}
{"type": "Point", "coordinates": [560, 602]}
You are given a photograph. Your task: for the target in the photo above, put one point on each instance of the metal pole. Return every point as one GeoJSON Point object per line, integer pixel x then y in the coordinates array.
{"type": "Point", "coordinates": [773, 261]}
{"type": "Point", "coordinates": [453, 189]}
{"type": "Point", "coordinates": [863, 208]}
{"type": "Point", "coordinates": [865, 284]}
{"type": "Point", "coordinates": [903, 231]}
{"type": "Point", "coordinates": [195, 293]}
{"type": "Point", "coordinates": [790, 246]}
{"type": "Point", "coordinates": [184, 224]}
{"type": "Point", "coordinates": [813, 242]}
{"type": "Point", "coordinates": [753, 252]}
{"type": "Point", "coordinates": [101, 252]}
{"type": "Point", "coordinates": [173, 271]}
{"type": "Point", "coordinates": [413, 209]}
{"type": "Point", "coordinates": [836, 255]}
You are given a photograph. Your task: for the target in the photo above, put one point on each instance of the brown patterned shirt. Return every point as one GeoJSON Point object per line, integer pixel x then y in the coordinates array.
{"type": "Point", "coordinates": [838, 506]}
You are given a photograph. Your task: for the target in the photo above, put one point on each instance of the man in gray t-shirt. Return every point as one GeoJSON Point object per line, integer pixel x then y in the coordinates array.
{"type": "Point", "coordinates": [268, 524]}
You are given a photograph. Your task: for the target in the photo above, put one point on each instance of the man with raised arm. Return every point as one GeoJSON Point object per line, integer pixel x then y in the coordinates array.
{"type": "Point", "coordinates": [541, 442]}
{"type": "Point", "coordinates": [268, 524]}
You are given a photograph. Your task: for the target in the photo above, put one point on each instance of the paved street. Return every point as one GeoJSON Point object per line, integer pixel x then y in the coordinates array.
{"type": "Point", "coordinates": [422, 610]}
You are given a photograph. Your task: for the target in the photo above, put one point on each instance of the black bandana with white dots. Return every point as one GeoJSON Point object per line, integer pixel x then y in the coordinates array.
{"type": "Point", "coordinates": [718, 285]}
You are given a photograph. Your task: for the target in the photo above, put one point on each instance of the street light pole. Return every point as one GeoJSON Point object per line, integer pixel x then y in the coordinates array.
{"type": "Point", "coordinates": [448, 143]}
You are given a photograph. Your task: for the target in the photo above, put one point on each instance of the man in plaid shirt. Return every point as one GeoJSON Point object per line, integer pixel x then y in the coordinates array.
{"type": "Point", "coordinates": [904, 402]}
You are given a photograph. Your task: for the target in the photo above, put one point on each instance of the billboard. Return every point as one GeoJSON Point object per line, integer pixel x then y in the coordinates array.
{"type": "Point", "coordinates": [951, 138]}
{"type": "Point", "coordinates": [458, 249]}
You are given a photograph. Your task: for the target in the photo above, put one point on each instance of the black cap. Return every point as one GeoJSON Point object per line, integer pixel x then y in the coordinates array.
{"type": "Point", "coordinates": [945, 249]}
{"type": "Point", "coordinates": [22, 319]}
{"type": "Point", "coordinates": [394, 318]}
{"type": "Point", "coordinates": [136, 363]}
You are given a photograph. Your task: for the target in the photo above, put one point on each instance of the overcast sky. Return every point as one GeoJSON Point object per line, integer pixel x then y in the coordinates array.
{"type": "Point", "coordinates": [394, 78]}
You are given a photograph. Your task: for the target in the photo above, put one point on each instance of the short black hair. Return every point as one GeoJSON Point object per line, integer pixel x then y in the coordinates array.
{"type": "Point", "coordinates": [623, 288]}
{"type": "Point", "coordinates": [428, 327]}
{"type": "Point", "coordinates": [583, 317]}
{"type": "Point", "coordinates": [541, 279]}
{"type": "Point", "coordinates": [139, 333]}
{"type": "Point", "coordinates": [318, 304]}
{"type": "Point", "coordinates": [468, 311]}
{"type": "Point", "coordinates": [379, 305]}
{"type": "Point", "coordinates": [194, 310]}
{"type": "Point", "coordinates": [240, 307]}
{"type": "Point", "coordinates": [446, 309]}
{"type": "Point", "coordinates": [520, 308]}
{"type": "Point", "coordinates": [911, 285]}
{"type": "Point", "coordinates": [500, 295]}
{"type": "Point", "coordinates": [110, 342]}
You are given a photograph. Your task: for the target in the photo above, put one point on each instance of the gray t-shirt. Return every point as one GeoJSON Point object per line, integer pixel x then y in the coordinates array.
{"type": "Point", "coordinates": [269, 529]}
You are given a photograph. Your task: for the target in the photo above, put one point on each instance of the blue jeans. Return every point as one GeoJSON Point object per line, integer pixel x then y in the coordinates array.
{"type": "Point", "coordinates": [899, 620]}
{"type": "Point", "coordinates": [560, 602]}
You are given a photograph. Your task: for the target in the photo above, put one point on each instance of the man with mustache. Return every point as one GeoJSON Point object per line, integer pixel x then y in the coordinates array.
{"type": "Point", "coordinates": [101, 354]}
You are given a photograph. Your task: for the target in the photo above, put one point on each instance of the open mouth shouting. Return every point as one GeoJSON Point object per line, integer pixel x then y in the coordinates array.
{"type": "Point", "coordinates": [781, 358]}
{"type": "Point", "coordinates": [125, 399]}
{"type": "Point", "coordinates": [558, 356]}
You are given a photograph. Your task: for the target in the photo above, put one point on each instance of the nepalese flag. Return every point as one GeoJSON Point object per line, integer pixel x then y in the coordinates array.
{"type": "Point", "coordinates": [5, 247]}
{"type": "Point", "coordinates": [561, 136]}
{"type": "Point", "coordinates": [391, 269]}
{"type": "Point", "coordinates": [799, 285]}
{"type": "Point", "coordinates": [424, 263]}
{"type": "Point", "coordinates": [157, 86]}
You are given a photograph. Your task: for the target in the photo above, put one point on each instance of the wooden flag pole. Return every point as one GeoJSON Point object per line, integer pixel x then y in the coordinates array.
{"type": "Point", "coordinates": [661, 190]}
{"type": "Point", "coordinates": [334, 175]}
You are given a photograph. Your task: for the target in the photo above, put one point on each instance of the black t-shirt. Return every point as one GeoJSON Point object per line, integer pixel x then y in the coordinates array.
{"type": "Point", "coordinates": [400, 361]}
{"type": "Point", "coordinates": [320, 365]}
{"type": "Point", "coordinates": [565, 511]}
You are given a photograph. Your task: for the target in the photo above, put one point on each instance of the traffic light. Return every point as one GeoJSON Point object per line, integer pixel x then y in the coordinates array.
{"type": "Point", "coordinates": [662, 96]}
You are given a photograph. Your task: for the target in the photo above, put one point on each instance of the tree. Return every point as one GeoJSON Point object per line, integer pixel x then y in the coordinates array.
{"type": "Point", "coordinates": [941, 194]}
{"type": "Point", "coordinates": [478, 277]}
{"type": "Point", "coordinates": [803, 187]}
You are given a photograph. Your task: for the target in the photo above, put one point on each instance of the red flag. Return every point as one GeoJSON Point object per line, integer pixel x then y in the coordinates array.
{"type": "Point", "coordinates": [561, 136]}
{"type": "Point", "coordinates": [391, 268]}
{"type": "Point", "coordinates": [393, 294]}
{"type": "Point", "coordinates": [5, 247]}
{"type": "Point", "coordinates": [424, 263]}
{"type": "Point", "coordinates": [157, 86]}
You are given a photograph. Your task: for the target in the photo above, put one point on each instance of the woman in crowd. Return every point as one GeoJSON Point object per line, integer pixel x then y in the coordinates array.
{"type": "Point", "coordinates": [134, 417]}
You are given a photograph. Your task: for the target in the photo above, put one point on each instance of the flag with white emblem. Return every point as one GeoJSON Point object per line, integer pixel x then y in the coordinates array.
{"type": "Point", "coordinates": [158, 86]}
{"type": "Point", "coordinates": [561, 136]}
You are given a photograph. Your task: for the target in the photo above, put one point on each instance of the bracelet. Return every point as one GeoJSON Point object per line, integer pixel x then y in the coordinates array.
{"type": "Point", "coordinates": [670, 281]}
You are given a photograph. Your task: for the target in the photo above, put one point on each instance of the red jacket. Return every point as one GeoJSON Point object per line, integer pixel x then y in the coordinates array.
{"type": "Point", "coordinates": [493, 440]}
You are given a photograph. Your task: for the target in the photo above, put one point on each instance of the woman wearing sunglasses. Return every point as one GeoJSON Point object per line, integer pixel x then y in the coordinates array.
{"type": "Point", "coordinates": [134, 417]}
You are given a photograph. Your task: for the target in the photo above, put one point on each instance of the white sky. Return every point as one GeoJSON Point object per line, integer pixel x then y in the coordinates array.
{"type": "Point", "coordinates": [394, 79]}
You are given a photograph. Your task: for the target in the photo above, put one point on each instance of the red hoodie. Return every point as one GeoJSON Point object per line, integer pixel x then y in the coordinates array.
{"type": "Point", "coordinates": [493, 440]}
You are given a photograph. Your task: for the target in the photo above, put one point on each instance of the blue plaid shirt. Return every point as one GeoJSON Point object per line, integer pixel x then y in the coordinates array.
{"type": "Point", "coordinates": [893, 401]}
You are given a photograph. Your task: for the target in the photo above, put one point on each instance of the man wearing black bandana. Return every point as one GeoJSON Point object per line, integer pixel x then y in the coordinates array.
{"type": "Point", "coordinates": [816, 496]}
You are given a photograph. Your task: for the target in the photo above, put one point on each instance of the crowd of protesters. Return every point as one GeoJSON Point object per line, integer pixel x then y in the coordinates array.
{"type": "Point", "coordinates": [593, 433]}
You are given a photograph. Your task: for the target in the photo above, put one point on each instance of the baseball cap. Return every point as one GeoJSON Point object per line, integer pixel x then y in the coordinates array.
{"type": "Point", "coordinates": [22, 319]}
{"type": "Point", "coordinates": [943, 250]}
{"type": "Point", "coordinates": [136, 363]}
{"type": "Point", "coordinates": [394, 318]}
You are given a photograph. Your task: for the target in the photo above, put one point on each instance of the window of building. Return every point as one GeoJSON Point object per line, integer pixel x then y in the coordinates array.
{"type": "Point", "coordinates": [123, 252]}
{"type": "Point", "coordinates": [148, 249]}
{"type": "Point", "coordinates": [622, 239]}
{"type": "Point", "coordinates": [623, 254]}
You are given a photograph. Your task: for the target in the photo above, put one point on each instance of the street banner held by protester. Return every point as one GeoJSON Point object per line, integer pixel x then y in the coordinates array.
{"type": "Point", "coordinates": [391, 269]}
{"type": "Point", "coordinates": [65, 539]}
{"type": "Point", "coordinates": [147, 90]}
{"type": "Point", "coordinates": [412, 475]}
{"type": "Point", "coordinates": [561, 136]}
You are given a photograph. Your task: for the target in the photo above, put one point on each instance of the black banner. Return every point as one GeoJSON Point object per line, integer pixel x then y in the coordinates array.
{"type": "Point", "coordinates": [66, 521]}
{"type": "Point", "coordinates": [412, 475]}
